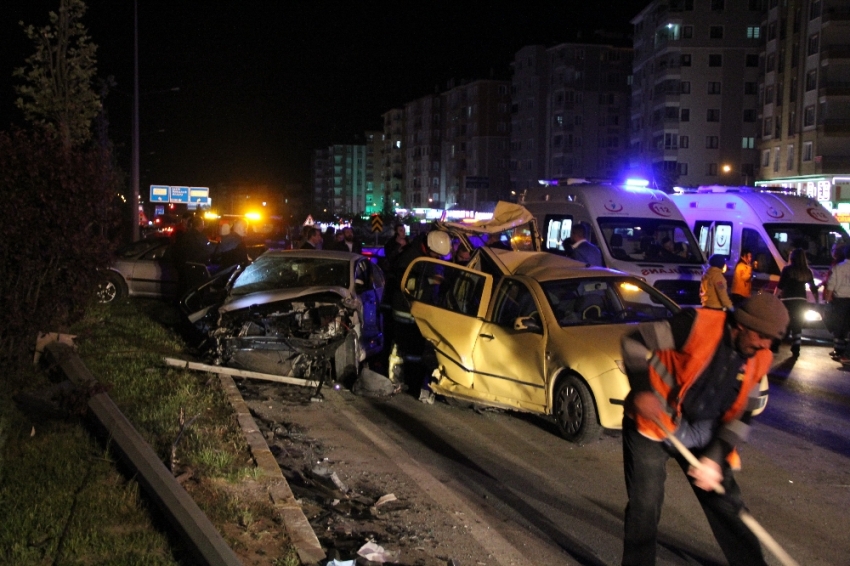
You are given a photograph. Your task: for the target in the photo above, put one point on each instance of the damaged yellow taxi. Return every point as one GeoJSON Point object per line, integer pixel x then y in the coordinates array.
{"type": "Point", "coordinates": [532, 331]}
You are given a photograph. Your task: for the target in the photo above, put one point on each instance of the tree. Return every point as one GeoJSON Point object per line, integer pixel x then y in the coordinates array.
{"type": "Point", "coordinates": [58, 92]}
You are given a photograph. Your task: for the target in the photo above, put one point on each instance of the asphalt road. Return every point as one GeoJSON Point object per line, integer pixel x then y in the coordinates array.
{"type": "Point", "coordinates": [513, 492]}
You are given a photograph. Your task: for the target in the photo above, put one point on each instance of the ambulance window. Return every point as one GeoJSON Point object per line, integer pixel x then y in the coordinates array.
{"type": "Point", "coordinates": [558, 229]}
{"type": "Point", "coordinates": [714, 237]}
{"type": "Point", "coordinates": [763, 260]}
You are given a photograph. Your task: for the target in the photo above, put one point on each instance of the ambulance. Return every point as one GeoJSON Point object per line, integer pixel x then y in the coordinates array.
{"type": "Point", "coordinates": [769, 224]}
{"type": "Point", "coordinates": [639, 231]}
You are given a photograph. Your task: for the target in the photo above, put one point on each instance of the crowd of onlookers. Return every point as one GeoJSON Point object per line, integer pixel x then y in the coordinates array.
{"type": "Point", "coordinates": [833, 292]}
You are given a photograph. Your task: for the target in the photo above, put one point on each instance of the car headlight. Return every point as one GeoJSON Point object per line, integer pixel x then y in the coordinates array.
{"type": "Point", "coordinates": [812, 315]}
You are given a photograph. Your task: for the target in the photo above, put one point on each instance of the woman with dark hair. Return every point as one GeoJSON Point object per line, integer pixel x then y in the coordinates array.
{"type": "Point", "coordinates": [792, 290]}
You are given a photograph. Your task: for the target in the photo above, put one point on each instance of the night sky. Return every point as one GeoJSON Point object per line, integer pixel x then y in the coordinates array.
{"type": "Point", "coordinates": [262, 84]}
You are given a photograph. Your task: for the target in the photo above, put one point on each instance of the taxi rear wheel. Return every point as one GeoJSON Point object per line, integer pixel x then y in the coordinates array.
{"type": "Point", "coordinates": [574, 410]}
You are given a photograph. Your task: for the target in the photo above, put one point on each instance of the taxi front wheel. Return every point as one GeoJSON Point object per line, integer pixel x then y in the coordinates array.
{"type": "Point", "coordinates": [574, 410]}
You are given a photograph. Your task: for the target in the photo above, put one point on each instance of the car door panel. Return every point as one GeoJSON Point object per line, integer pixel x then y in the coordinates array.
{"type": "Point", "coordinates": [447, 303]}
{"type": "Point", "coordinates": [511, 363]}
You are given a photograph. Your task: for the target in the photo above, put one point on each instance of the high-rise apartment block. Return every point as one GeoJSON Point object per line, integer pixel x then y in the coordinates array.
{"type": "Point", "coordinates": [374, 184]}
{"type": "Point", "coordinates": [450, 149]}
{"type": "Point", "coordinates": [805, 97]}
{"type": "Point", "coordinates": [339, 174]}
{"type": "Point", "coordinates": [695, 91]}
{"type": "Point", "coordinates": [475, 147]}
{"type": "Point", "coordinates": [392, 158]}
{"type": "Point", "coordinates": [569, 113]}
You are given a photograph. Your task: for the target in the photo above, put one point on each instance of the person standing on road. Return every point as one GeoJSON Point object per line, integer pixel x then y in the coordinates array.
{"type": "Point", "coordinates": [407, 341]}
{"type": "Point", "coordinates": [232, 250]}
{"type": "Point", "coordinates": [190, 253]}
{"type": "Point", "coordinates": [394, 247]}
{"type": "Point", "coordinates": [712, 288]}
{"type": "Point", "coordinates": [791, 289]}
{"type": "Point", "coordinates": [583, 250]}
{"type": "Point", "coordinates": [348, 244]}
{"type": "Point", "coordinates": [837, 294]}
{"type": "Point", "coordinates": [697, 375]}
{"type": "Point", "coordinates": [312, 239]}
{"type": "Point", "coordinates": [742, 279]}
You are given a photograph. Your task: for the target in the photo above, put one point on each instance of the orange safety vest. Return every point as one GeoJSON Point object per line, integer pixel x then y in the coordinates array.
{"type": "Point", "coordinates": [672, 372]}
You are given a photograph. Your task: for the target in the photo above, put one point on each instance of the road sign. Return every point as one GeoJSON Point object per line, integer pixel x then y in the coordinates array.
{"type": "Point", "coordinates": [377, 223]}
{"type": "Point", "coordinates": [159, 193]}
{"type": "Point", "coordinates": [179, 194]}
{"type": "Point", "coordinates": [199, 195]}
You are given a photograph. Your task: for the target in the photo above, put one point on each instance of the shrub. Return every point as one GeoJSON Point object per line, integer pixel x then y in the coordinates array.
{"type": "Point", "coordinates": [59, 213]}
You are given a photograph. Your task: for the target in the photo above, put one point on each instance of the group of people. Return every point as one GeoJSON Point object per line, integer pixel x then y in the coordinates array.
{"type": "Point", "coordinates": [192, 251]}
{"type": "Point", "coordinates": [794, 280]}
{"type": "Point", "coordinates": [313, 239]}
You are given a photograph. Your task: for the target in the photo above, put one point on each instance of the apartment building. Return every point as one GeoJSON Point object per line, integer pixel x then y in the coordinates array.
{"type": "Point", "coordinates": [569, 113]}
{"type": "Point", "coordinates": [695, 95]}
{"type": "Point", "coordinates": [339, 174]}
{"type": "Point", "coordinates": [805, 99]}
{"type": "Point", "coordinates": [423, 175]}
{"type": "Point", "coordinates": [374, 184]}
{"type": "Point", "coordinates": [475, 145]}
{"type": "Point", "coordinates": [392, 158]}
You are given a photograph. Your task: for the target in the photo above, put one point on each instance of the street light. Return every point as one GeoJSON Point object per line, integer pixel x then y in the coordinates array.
{"type": "Point", "coordinates": [135, 165]}
{"type": "Point", "coordinates": [134, 168]}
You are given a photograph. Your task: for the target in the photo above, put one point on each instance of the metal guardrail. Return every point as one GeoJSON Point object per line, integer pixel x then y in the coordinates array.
{"type": "Point", "coordinates": [202, 538]}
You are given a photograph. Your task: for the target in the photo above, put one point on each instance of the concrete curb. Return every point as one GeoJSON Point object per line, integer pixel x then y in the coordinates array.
{"type": "Point", "coordinates": [297, 526]}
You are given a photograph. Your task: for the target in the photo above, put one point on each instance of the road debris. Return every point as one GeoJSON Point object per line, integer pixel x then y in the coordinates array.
{"type": "Point", "coordinates": [375, 553]}
{"type": "Point", "coordinates": [372, 384]}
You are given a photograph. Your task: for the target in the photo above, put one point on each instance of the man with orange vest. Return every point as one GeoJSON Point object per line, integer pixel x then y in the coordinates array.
{"type": "Point", "coordinates": [697, 376]}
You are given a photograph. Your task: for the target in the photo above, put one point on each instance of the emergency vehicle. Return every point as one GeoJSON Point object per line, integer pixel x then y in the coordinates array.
{"type": "Point", "coordinates": [726, 220]}
{"type": "Point", "coordinates": [639, 231]}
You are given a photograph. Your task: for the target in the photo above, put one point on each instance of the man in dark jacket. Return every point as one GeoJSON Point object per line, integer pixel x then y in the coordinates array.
{"type": "Point", "coordinates": [348, 243]}
{"type": "Point", "coordinates": [190, 253]}
{"type": "Point", "coordinates": [312, 239]}
{"type": "Point", "coordinates": [697, 376]}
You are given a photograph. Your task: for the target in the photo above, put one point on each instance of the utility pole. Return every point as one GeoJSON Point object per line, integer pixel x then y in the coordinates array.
{"type": "Point", "coordinates": [134, 204]}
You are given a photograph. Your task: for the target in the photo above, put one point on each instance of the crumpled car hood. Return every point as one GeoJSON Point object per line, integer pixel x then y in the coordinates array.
{"type": "Point", "coordinates": [264, 297]}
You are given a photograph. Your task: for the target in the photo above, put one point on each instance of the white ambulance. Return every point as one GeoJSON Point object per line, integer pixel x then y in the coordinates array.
{"type": "Point", "coordinates": [638, 230]}
{"type": "Point", "coordinates": [726, 220]}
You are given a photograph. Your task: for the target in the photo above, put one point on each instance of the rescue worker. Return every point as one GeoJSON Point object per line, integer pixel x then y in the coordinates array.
{"type": "Point", "coordinates": [408, 342]}
{"type": "Point", "coordinates": [698, 375]}
{"type": "Point", "coordinates": [742, 279]}
{"type": "Point", "coordinates": [712, 288]}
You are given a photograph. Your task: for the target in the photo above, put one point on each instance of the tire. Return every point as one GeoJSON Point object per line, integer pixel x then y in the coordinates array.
{"type": "Point", "coordinates": [574, 411]}
{"type": "Point", "coordinates": [111, 288]}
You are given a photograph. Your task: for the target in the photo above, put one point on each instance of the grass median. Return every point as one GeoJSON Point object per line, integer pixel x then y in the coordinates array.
{"type": "Point", "coordinates": [63, 497]}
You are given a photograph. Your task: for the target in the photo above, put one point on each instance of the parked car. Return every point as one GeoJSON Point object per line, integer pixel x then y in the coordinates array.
{"type": "Point", "coordinates": [140, 269]}
{"type": "Point", "coordinates": [532, 331]}
{"type": "Point", "coordinates": [292, 313]}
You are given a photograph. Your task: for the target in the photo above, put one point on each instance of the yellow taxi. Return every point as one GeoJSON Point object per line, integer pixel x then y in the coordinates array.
{"type": "Point", "coordinates": [532, 331]}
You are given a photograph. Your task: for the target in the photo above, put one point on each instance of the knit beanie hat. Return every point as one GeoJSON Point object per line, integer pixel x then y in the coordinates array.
{"type": "Point", "coordinates": [717, 260]}
{"type": "Point", "coordinates": [763, 313]}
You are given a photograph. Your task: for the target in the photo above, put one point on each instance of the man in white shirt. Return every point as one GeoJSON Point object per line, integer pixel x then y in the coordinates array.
{"type": "Point", "coordinates": [837, 294]}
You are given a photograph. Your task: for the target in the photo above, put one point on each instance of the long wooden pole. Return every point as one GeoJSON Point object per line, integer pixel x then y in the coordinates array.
{"type": "Point", "coordinates": [764, 537]}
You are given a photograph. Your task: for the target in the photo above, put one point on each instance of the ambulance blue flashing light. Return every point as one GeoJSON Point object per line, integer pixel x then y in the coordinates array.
{"type": "Point", "coordinates": [636, 183]}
